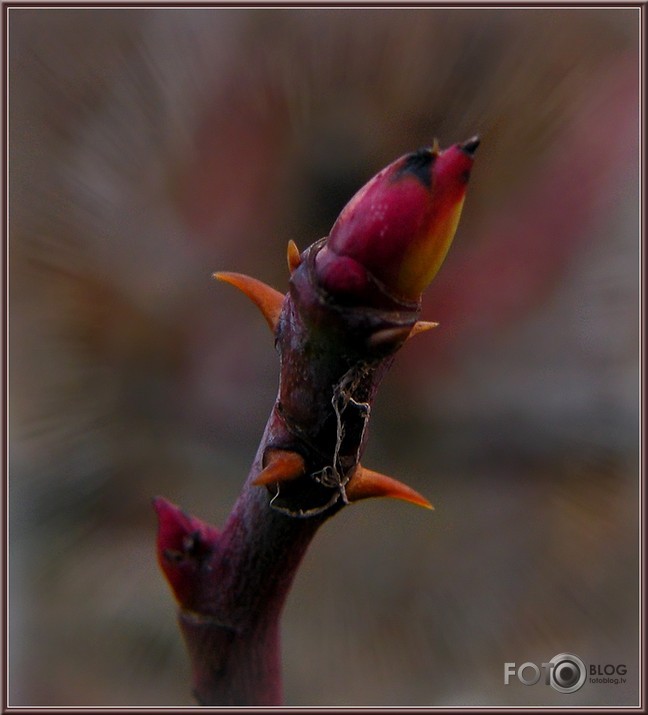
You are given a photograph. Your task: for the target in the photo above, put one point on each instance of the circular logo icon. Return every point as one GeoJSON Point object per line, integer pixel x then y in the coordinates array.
{"type": "Point", "coordinates": [568, 673]}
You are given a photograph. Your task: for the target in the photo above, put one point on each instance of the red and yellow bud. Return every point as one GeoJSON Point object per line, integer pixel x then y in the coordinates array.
{"type": "Point", "coordinates": [398, 228]}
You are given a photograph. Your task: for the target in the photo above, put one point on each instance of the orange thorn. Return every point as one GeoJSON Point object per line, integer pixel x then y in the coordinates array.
{"type": "Point", "coordinates": [294, 258]}
{"type": "Point", "coordinates": [421, 326]}
{"type": "Point", "coordinates": [282, 466]}
{"type": "Point", "coordinates": [435, 148]}
{"type": "Point", "coordinates": [365, 483]}
{"type": "Point", "coordinates": [267, 299]}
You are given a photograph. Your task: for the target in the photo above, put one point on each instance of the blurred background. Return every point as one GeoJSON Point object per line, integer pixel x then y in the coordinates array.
{"type": "Point", "coordinates": [151, 147]}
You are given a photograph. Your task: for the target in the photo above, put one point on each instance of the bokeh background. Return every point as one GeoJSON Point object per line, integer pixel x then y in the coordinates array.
{"type": "Point", "coordinates": [149, 147]}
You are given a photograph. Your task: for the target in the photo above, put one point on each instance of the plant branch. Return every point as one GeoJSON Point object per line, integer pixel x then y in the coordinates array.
{"type": "Point", "coordinates": [337, 331]}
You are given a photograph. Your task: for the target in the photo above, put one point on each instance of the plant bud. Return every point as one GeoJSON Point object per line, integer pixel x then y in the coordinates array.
{"type": "Point", "coordinates": [398, 227]}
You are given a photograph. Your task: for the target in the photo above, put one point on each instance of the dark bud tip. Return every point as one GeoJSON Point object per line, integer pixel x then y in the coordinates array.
{"type": "Point", "coordinates": [470, 147]}
{"type": "Point", "coordinates": [419, 164]}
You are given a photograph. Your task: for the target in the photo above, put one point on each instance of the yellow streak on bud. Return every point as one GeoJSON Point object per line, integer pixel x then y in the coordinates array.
{"type": "Point", "coordinates": [428, 253]}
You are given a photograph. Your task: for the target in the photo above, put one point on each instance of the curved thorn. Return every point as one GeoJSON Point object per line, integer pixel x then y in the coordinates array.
{"type": "Point", "coordinates": [282, 466]}
{"type": "Point", "coordinates": [366, 483]}
{"type": "Point", "coordinates": [421, 326]}
{"type": "Point", "coordinates": [294, 258]}
{"type": "Point", "coordinates": [267, 299]}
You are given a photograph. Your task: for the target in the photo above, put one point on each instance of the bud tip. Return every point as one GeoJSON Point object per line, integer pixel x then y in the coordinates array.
{"type": "Point", "coordinates": [470, 147]}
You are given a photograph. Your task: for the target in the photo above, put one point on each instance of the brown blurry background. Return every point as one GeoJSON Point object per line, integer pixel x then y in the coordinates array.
{"type": "Point", "coordinates": [150, 147]}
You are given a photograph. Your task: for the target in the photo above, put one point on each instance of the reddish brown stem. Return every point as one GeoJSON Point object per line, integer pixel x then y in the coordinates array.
{"type": "Point", "coordinates": [337, 331]}
{"type": "Point", "coordinates": [232, 585]}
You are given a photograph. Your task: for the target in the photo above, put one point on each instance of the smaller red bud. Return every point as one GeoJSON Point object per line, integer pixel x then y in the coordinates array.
{"type": "Point", "coordinates": [398, 228]}
{"type": "Point", "coordinates": [183, 543]}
